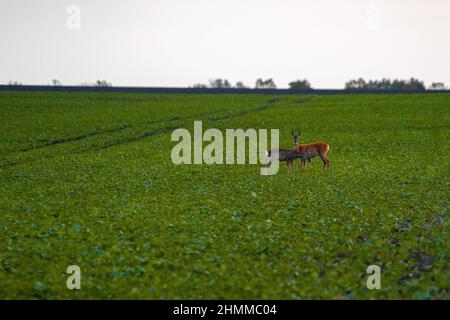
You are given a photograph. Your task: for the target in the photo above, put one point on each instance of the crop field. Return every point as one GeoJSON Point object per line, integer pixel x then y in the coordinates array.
{"type": "Point", "coordinates": [87, 179]}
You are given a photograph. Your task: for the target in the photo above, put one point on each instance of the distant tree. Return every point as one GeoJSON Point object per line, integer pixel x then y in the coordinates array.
{"type": "Point", "coordinates": [200, 85]}
{"type": "Point", "coordinates": [386, 84]}
{"type": "Point", "coordinates": [219, 83]}
{"type": "Point", "coordinates": [56, 82]}
{"type": "Point", "coordinates": [397, 84]}
{"type": "Point", "coordinates": [102, 83]}
{"type": "Point", "coordinates": [226, 84]}
{"type": "Point", "coordinates": [240, 85]}
{"type": "Point", "coordinates": [270, 83]}
{"type": "Point", "coordinates": [14, 83]}
{"type": "Point", "coordinates": [216, 83]}
{"type": "Point", "coordinates": [300, 84]}
{"type": "Point", "coordinates": [437, 86]}
{"type": "Point", "coordinates": [359, 84]}
{"type": "Point", "coordinates": [414, 85]}
{"type": "Point", "coordinates": [265, 84]}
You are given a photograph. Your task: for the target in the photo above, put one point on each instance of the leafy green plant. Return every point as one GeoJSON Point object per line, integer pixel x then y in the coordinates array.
{"type": "Point", "coordinates": [87, 179]}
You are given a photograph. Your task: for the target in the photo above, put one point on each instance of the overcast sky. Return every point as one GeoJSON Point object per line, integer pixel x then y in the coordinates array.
{"type": "Point", "coordinates": [182, 42]}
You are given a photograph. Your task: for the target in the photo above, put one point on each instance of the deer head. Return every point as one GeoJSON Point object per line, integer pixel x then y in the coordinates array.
{"type": "Point", "coordinates": [295, 137]}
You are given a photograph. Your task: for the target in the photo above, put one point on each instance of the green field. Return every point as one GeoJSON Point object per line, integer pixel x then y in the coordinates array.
{"type": "Point", "coordinates": [87, 179]}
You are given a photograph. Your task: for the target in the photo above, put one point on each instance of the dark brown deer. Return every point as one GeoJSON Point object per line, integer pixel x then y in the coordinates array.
{"type": "Point", "coordinates": [288, 155]}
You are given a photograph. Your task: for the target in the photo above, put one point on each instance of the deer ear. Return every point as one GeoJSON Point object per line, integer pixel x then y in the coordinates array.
{"type": "Point", "coordinates": [292, 132]}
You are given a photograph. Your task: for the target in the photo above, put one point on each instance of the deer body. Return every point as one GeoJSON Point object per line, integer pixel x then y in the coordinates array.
{"type": "Point", "coordinates": [311, 150]}
{"type": "Point", "coordinates": [288, 155]}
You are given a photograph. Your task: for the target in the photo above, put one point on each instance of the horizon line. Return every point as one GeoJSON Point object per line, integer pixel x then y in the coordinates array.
{"type": "Point", "coordinates": [162, 89]}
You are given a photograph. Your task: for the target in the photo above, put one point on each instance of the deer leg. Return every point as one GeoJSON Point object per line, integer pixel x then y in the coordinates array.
{"type": "Point", "coordinates": [291, 164]}
{"type": "Point", "coordinates": [325, 157]}
{"type": "Point", "coordinates": [324, 160]}
{"type": "Point", "coordinates": [288, 164]}
{"type": "Point", "coordinates": [303, 163]}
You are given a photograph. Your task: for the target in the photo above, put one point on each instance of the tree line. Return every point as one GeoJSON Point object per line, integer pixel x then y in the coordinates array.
{"type": "Point", "coordinates": [260, 83]}
{"type": "Point", "coordinates": [411, 84]}
{"type": "Point", "coordinates": [385, 84]}
{"type": "Point", "coordinates": [57, 83]}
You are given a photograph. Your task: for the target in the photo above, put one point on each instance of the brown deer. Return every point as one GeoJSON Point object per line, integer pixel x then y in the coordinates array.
{"type": "Point", "coordinates": [311, 150]}
{"type": "Point", "coordinates": [288, 155]}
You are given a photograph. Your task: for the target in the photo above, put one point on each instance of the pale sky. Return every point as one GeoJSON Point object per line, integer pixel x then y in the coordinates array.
{"type": "Point", "coordinates": [176, 43]}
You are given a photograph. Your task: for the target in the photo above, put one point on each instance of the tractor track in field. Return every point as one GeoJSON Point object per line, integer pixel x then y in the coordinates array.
{"type": "Point", "coordinates": [140, 136]}
{"type": "Point", "coordinates": [242, 113]}
{"type": "Point", "coordinates": [72, 139]}
{"type": "Point", "coordinates": [96, 132]}
{"type": "Point", "coordinates": [157, 131]}
{"type": "Point", "coordinates": [90, 134]}
{"type": "Point", "coordinates": [166, 129]}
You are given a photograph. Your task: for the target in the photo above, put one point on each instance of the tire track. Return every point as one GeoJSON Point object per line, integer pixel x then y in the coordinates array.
{"type": "Point", "coordinates": [77, 138]}
{"type": "Point", "coordinates": [96, 132]}
{"type": "Point", "coordinates": [166, 129]}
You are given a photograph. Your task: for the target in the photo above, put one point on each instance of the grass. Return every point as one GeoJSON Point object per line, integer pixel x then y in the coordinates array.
{"type": "Point", "coordinates": [87, 179]}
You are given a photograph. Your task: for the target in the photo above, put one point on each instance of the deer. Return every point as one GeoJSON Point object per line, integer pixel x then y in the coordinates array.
{"type": "Point", "coordinates": [288, 155]}
{"type": "Point", "coordinates": [311, 150]}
